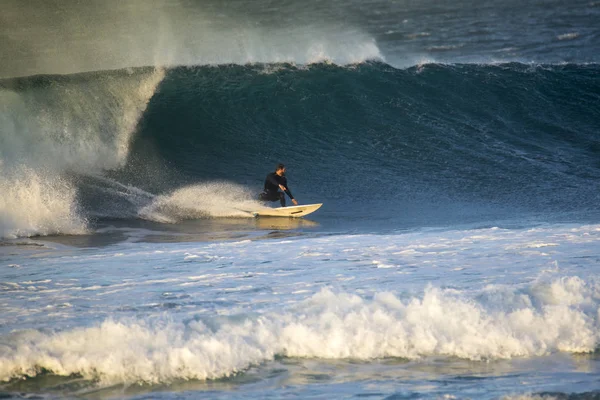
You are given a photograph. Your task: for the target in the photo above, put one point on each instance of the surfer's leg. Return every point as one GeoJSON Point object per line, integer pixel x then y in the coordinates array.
{"type": "Point", "coordinates": [282, 199]}
{"type": "Point", "coordinates": [272, 196]}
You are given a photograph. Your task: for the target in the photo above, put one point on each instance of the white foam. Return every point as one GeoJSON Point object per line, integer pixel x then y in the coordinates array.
{"type": "Point", "coordinates": [65, 127]}
{"type": "Point", "coordinates": [568, 36]}
{"type": "Point", "coordinates": [212, 199]}
{"type": "Point", "coordinates": [34, 204]}
{"type": "Point", "coordinates": [561, 315]}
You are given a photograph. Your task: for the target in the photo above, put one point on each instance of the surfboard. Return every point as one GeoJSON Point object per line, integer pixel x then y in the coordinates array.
{"type": "Point", "coordinates": [292, 211]}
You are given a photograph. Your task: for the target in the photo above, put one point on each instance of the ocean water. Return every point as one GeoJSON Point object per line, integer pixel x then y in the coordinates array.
{"type": "Point", "coordinates": [456, 149]}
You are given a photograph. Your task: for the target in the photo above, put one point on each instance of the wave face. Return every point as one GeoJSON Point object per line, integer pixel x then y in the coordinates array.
{"type": "Point", "coordinates": [504, 136]}
{"type": "Point", "coordinates": [432, 140]}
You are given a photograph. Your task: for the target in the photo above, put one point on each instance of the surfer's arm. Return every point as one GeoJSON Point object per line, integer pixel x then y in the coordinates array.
{"type": "Point", "coordinates": [281, 185]}
{"type": "Point", "coordinates": [285, 188]}
{"type": "Point", "coordinates": [287, 191]}
{"type": "Point", "coordinates": [271, 179]}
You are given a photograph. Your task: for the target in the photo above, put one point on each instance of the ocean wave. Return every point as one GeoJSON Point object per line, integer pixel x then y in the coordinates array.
{"type": "Point", "coordinates": [53, 127]}
{"type": "Point", "coordinates": [162, 131]}
{"type": "Point", "coordinates": [558, 316]}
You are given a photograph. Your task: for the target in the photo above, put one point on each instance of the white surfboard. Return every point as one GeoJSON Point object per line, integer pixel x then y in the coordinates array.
{"type": "Point", "coordinates": [292, 211]}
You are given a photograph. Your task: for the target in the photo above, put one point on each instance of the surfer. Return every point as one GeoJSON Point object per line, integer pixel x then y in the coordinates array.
{"type": "Point", "coordinates": [273, 183]}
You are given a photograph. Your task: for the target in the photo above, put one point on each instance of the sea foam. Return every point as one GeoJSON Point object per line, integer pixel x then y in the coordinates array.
{"type": "Point", "coordinates": [558, 316]}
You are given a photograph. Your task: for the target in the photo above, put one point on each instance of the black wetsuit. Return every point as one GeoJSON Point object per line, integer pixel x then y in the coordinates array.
{"type": "Point", "coordinates": [271, 192]}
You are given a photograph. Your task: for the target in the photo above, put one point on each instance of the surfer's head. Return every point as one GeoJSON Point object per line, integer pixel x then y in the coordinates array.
{"type": "Point", "coordinates": [280, 169]}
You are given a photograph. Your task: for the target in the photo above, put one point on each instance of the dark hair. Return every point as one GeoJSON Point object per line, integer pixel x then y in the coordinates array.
{"type": "Point", "coordinates": [279, 166]}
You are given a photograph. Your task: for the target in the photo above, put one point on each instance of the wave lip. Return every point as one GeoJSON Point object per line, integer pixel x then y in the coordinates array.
{"type": "Point", "coordinates": [502, 323]}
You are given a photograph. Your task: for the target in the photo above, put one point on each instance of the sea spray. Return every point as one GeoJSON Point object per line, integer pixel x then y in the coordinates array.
{"type": "Point", "coordinates": [212, 199]}
{"type": "Point", "coordinates": [54, 127]}
{"type": "Point", "coordinates": [37, 203]}
{"type": "Point", "coordinates": [171, 33]}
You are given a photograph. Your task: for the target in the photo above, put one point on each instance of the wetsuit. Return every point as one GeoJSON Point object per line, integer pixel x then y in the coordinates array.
{"type": "Point", "coordinates": [271, 192]}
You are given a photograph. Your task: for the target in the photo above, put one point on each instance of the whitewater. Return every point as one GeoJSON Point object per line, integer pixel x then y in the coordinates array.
{"type": "Point", "coordinates": [454, 146]}
{"type": "Point", "coordinates": [166, 313]}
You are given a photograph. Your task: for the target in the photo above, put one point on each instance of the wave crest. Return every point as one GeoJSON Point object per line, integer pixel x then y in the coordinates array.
{"type": "Point", "coordinates": [326, 325]}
